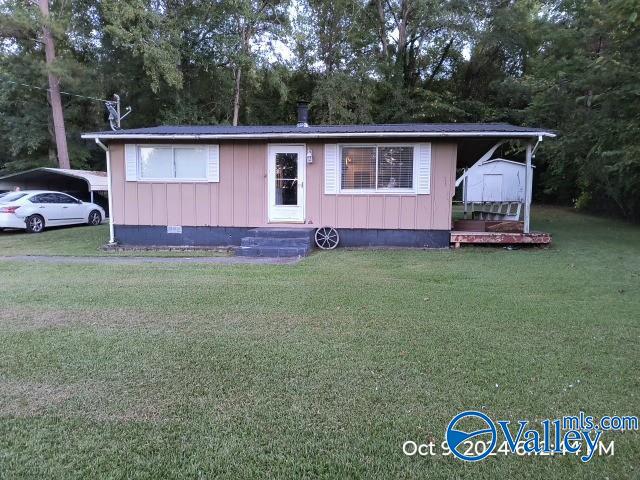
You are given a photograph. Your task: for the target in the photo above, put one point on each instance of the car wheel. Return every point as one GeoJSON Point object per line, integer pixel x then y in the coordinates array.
{"type": "Point", "coordinates": [35, 224]}
{"type": "Point", "coordinates": [95, 218]}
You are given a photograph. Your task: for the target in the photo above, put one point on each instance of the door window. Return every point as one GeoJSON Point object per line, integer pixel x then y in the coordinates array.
{"type": "Point", "coordinates": [62, 198]}
{"type": "Point", "coordinates": [286, 179]}
{"type": "Point", "coordinates": [43, 198]}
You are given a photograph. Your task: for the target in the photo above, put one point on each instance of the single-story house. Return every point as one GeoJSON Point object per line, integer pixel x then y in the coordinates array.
{"type": "Point", "coordinates": [222, 185]}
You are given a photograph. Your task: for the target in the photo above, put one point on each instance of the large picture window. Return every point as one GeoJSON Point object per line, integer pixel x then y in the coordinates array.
{"type": "Point", "coordinates": [384, 168]}
{"type": "Point", "coordinates": [169, 163]}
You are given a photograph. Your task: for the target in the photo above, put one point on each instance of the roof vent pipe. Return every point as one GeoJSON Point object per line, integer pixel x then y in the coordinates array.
{"type": "Point", "coordinates": [303, 114]}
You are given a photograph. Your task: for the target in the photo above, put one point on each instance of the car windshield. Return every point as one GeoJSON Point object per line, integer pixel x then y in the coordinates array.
{"type": "Point", "coordinates": [12, 197]}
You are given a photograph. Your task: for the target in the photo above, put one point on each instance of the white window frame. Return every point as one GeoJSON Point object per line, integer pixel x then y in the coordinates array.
{"type": "Point", "coordinates": [172, 146]}
{"type": "Point", "coordinates": [380, 191]}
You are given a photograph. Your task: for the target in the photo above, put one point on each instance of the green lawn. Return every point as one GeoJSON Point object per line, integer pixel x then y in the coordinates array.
{"type": "Point", "coordinates": [77, 240]}
{"type": "Point", "coordinates": [319, 369]}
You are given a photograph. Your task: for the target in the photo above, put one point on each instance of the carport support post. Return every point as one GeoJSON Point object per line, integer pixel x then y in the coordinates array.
{"type": "Point", "coordinates": [464, 193]}
{"type": "Point", "coordinates": [528, 184]}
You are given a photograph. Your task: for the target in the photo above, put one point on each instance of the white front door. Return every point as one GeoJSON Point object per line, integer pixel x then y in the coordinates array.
{"type": "Point", "coordinates": [286, 183]}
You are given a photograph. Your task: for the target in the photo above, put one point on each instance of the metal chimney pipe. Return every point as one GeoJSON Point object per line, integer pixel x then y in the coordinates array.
{"type": "Point", "coordinates": [303, 114]}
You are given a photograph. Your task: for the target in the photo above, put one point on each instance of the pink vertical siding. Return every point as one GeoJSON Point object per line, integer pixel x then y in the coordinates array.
{"type": "Point", "coordinates": [188, 204]}
{"type": "Point", "coordinates": [226, 197]}
{"type": "Point", "coordinates": [392, 211]}
{"type": "Point", "coordinates": [376, 212]}
{"type": "Point", "coordinates": [159, 205]}
{"type": "Point", "coordinates": [203, 204]}
{"type": "Point", "coordinates": [116, 152]}
{"type": "Point", "coordinates": [131, 197]}
{"type": "Point", "coordinates": [214, 206]}
{"type": "Point", "coordinates": [242, 194]}
{"type": "Point", "coordinates": [145, 201]}
{"type": "Point", "coordinates": [174, 204]}
{"type": "Point", "coordinates": [256, 180]}
{"type": "Point", "coordinates": [443, 187]}
{"type": "Point", "coordinates": [408, 207]}
{"type": "Point", "coordinates": [240, 198]}
{"type": "Point", "coordinates": [360, 211]}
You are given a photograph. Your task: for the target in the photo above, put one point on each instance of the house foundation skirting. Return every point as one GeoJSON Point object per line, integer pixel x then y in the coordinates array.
{"type": "Point", "coordinates": [379, 237]}
{"type": "Point", "coordinates": [153, 235]}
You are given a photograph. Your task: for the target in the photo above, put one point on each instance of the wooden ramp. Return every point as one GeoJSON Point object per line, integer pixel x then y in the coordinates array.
{"type": "Point", "coordinates": [459, 237]}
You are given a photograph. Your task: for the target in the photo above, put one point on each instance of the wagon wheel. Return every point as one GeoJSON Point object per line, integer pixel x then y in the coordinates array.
{"type": "Point", "coordinates": [327, 238]}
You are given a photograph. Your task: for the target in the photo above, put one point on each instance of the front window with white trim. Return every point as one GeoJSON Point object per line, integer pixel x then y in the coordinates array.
{"type": "Point", "coordinates": [383, 168]}
{"type": "Point", "coordinates": [172, 163]}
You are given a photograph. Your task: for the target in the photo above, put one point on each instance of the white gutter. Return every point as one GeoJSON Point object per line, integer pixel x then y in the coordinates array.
{"type": "Point", "coordinates": [110, 199]}
{"type": "Point", "coordinates": [250, 136]}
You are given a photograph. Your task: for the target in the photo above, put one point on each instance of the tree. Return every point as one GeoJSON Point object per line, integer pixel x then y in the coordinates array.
{"type": "Point", "coordinates": [584, 82]}
{"type": "Point", "coordinates": [248, 21]}
{"type": "Point", "coordinates": [54, 88]}
{"type": "Point", "coordinates": [564, 64]}
{"type": "Point", "coordinates": [27, 125]}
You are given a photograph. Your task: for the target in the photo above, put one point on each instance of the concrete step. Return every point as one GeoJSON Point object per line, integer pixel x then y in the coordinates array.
{"type": "Point", "coordinates": [299, 242]}
{"type": "Point", "coordinates": [277, 242]}
{"type": "Point", "coordinates": [262, 251]}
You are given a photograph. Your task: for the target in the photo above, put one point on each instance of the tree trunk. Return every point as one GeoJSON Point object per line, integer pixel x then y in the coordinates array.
{"type": "Point", "coordinates": [383, 30]}
{"type": "Point", "coordinates": [402, 59]}
{"type": "Point", "coordinates": [54, 91]}
{"type": "Point", "coordinates": [438, 66]}
{"type": "Point", "coordinates": [236, 96]}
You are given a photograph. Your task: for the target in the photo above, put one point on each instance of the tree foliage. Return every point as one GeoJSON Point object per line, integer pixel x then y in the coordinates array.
{"type": "Point", "coordinates": [571, 65]}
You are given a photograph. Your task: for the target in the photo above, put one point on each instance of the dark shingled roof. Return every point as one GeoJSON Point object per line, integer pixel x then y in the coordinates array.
{"type": "Point", "coordinates": [426, 129]}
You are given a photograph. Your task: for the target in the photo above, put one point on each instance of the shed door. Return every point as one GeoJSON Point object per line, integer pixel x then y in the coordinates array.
{"type": "Point", "coordinates": [492, 188]}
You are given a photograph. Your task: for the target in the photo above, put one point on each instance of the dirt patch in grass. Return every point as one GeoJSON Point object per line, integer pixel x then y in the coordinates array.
{"type": "Point", "coordinates": [21, 398]}
{"type": "Point", "coordinates": [24, 319]}
{"type": "Point", "coordinates": [92, 401]}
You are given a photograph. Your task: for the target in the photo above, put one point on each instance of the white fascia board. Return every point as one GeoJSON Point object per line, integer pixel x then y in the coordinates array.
{"type": "Point", "coordinates": [251, 136]}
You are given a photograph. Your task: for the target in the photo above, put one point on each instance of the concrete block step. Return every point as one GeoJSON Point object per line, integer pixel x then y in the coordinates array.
{"type": "Point", "coordinates": [272, 251]}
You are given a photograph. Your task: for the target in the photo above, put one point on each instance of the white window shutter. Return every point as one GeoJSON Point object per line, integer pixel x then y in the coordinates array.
{"type": "Point", "coordinates": [424, 168]}
{"type": "Point", "coordinates": [331, 165]}
{"type": "Point", "coordinates": [213, 164]}
{"type": "Point", "coordinates": [131, 162]}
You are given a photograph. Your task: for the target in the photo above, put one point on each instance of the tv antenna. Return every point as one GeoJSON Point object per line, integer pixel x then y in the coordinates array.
{"type": "Point", "coordinates": [113, 106]}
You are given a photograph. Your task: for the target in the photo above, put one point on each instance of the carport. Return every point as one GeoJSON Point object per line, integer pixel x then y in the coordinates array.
{"type": "Point", "coordinates": [499, 222]}
{"type": "Point", "coordinates": [86, 185]}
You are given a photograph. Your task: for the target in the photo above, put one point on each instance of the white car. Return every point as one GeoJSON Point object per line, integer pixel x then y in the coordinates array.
{"type": "Point", "coordinates": [34, 210]}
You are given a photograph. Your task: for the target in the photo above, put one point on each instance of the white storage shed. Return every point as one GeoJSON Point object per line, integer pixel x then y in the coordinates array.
{"type": "Point", "coordinates": [497, 180]}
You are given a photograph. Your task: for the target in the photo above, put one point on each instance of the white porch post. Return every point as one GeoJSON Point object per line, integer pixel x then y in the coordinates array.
{"type": "Point", "coordinates": [528, 184]}
{"type": "Point", "coordinates": [464, 193]}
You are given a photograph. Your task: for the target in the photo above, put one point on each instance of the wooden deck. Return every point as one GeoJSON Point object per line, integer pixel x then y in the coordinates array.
{"type": "Point", "coordinates": [458, 237]}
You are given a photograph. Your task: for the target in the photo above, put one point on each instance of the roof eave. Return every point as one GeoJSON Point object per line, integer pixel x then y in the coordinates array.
{"type": "Point", "coordinates": [250, 136]}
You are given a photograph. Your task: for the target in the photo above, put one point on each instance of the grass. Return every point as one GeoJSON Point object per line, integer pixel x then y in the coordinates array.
{"type": "Point", "coordinates": [78, 241]}
{"type": "Point", "coordinates": [320, 369]}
